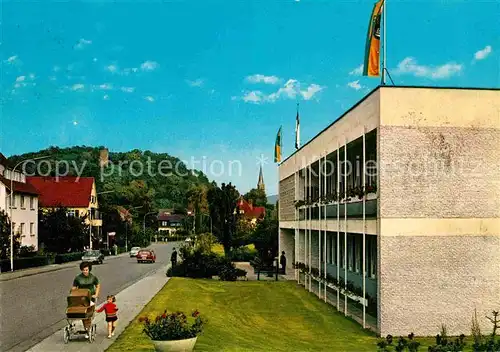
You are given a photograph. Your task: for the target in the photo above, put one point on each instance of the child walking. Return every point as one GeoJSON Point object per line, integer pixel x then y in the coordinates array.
{"type": "Point", "coordinates": [111, 318]}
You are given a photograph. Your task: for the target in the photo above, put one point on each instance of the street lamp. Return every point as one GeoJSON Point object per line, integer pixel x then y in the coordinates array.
{"type": "Point", "coordinates": [126, 227]}
{"type": "Point", "coordinates": [90, 219]}
{"type": "Point", "coordinates": [144, 224]}
{"type": "Point", "coordinates": [12, 206]}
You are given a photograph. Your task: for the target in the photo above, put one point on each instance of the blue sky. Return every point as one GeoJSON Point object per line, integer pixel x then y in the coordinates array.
{"type": "Point", "coordinates": [214, 80]}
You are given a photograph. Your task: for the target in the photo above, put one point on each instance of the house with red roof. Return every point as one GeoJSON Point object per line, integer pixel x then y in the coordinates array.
{"type": "Point", "coordinates": [249, 211]}
{"type": "Point", "coordinates": [77, 195]}
{"type": "Point", "coordinates": [168, 222]}
{"type": "Point", "coordinates": [24, 202]}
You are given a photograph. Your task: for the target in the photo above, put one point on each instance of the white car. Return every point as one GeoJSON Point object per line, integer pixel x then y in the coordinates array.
{"type": "Point", "coordinates": [134, 251]}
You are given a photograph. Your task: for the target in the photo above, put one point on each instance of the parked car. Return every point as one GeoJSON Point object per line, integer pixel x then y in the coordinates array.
{"type": "Point", "coordinates": [93, 256]}
{"type": "Point", "coordinates": [134, 251]}
{"type": "Point", "coordinates": [146, 255]}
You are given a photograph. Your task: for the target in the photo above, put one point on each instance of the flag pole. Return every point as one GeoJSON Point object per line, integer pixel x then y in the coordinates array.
{"type": "Point", "coordinates": [385, 42]}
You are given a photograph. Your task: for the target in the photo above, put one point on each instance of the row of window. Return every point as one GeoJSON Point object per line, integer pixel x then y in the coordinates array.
{"type": "Point", "coordinates": [21, 199]}
{"type": "Point", "coordinates": [170, 224]}
{"type": "Point", "coordinates": [309, 184]}
{"type": "Point", "coordinates": [21, 228]}
{"type": "Point", "coordinates": [354, 260]}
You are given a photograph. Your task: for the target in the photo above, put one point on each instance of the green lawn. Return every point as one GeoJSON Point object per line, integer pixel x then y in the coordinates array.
{"type": "Point", "coordinates": [219, 249]}
{"type": "Point", "coordinates": [253, 316]}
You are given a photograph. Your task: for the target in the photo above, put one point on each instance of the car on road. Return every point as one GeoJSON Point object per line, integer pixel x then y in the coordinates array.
{"type": "Point", "coordinates": [146, 255]}
{"type": "Point", "coordinates": [93, 256]}
{"type": "Point", "coordinates": [134, 251]}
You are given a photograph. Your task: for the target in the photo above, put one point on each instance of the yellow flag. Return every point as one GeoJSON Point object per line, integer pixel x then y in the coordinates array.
{"type": "Point", "coordinates": [372, 51]}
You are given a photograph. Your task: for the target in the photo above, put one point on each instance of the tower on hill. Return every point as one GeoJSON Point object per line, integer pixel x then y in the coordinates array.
{"type": "Point", "coordinates": [260, 184]}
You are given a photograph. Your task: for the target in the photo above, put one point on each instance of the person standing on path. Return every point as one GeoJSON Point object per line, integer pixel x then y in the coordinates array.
{"type": "Point", "coordinates": [111, 318]}
{"type": "Point", "coordinates": [173, 258]}
{"type": "Point", "coordinates": [88, 281]}
{"type": "Point", "coordinates": [283, 262]}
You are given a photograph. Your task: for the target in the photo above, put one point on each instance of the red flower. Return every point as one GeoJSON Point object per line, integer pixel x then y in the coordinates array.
{"type": "Point", "coordinates": [195, 313]}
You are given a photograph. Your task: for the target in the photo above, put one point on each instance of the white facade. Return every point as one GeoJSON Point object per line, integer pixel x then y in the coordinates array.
{"type": "Point", "coordinates": [24, 210]}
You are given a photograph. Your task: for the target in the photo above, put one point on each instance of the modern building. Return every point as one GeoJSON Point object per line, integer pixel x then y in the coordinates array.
{"type": "Point", "coordinates": [24, 205]}
{"type": "Point", "coordinates": [398, 201]}
{"type": "Point", "coordinates": [77, 195]}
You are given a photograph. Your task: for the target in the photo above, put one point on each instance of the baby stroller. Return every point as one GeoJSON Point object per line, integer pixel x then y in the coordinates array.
{"type": "Point", "coordinates": [80, 307]}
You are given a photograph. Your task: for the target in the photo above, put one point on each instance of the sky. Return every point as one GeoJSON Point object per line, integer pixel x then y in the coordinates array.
{"type": "Point", "coordinates": [211, 82]}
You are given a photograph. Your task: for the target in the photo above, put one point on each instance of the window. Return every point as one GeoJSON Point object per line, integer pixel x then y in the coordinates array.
{"type": "Point", "coordinates": [164, 223]}
{"type": "Point", "coordinates": [371, 256]}
{"type": "Point", "coordinates": [32, 203]}
{"type": "Point", "coordinates": [22, 202]}
{"type": "Point", "coordinates": [21, 229]}
{"type": "Point", "coordinates": [71, 212]}
{"type": "Point", "coordinates": [32, 228]}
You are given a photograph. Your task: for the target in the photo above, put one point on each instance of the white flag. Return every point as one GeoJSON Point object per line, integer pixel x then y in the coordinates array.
{"type": "Point", "coordinates": [297, 131]}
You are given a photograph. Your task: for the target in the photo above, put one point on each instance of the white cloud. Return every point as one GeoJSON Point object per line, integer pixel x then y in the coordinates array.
{"type": "Point", "coordinates": [94, 59]}
{"type": "Point", "coordinates": [196, 83]}
{"type": "Point", "coordinates": [32, 76]}
{"type": "Point", "coordinates": [12, 59]}
{"type": "Point", "coordinates": [128, 89]}
{"type": "Point", "coordinates": [483, 53]}
{"type": "Point", "coordinates": [150, 99]}
{"type": "Point", "coordinates": [311, 91]}
{"type": "Point", "coordinates": [20, 78]}
{"type": "Point", "coordinates": [127, 71]}
{"type": "Point", "coordinates": [77, 86]}
{"type": "Point", "coordinates": [105, 86]}
{"type": "Point", "coordinates": [111, 68]}
{"type": "Point", "coordinates": [56, 68]}
{"type": "Point", "coordinates": [357, 71]}
{"type": "Point", "coordinates": [355, 85]}
{"type": "Point", "coordinates": [105, 97]}
{"type": "Point", "coordinates": [254, 97]}
{"type": "Point", "coordinates": [149, 65]}
{"type": "Point", "coordinates": [82, 43]}
{"type": "Point", "coordinates": [290, 90]}
{"type": "Point", "coordinates": [258, 78]}
{"type": "Point", "coordinates": [410, 66]}
{"type": "Point", "coordinates": [75, 123]}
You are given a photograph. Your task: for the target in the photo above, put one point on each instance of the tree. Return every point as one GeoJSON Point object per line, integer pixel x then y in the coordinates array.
{"type": "Point", "coordinates": [243, 233]}
{"type": "Point", "coordinates": [222, 203]}
{"type": "Point", "coordinates": [5, 237]}
{"type": "Point", "coordinates": [265, 238]}
{"type": "Point", "coordinates": [61, 233]}
{"type": "Point", "coordinates": [257, 196]}
{"type": "Point", "coordinates": [197, 199]}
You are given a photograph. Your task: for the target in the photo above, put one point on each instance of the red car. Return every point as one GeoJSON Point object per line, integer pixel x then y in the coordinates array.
{"type": "Point", "coordinates": [146, 255]}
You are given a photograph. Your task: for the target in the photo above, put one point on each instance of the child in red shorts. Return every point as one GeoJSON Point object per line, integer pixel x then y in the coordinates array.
{"type": "Point", "coordinates": [111, 318]}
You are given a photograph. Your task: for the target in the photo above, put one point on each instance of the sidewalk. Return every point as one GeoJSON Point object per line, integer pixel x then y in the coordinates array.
{"type": "Point", "coordinates": [129, 301]}
{"type": "Point", "coordinates": [9, 275]}
{"type": "Point", "coordinates": [252, 276]}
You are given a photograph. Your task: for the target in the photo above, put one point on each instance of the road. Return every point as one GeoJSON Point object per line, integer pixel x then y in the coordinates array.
{"type": "Point", "coordinates": [33, 307]}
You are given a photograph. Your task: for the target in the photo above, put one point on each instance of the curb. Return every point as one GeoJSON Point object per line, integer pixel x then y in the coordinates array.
{"type": "Point", "coordinates": [7, 276]}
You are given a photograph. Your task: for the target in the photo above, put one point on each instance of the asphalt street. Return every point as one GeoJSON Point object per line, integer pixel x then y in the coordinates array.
{"type": "Point", "coordinates": [33, 307]}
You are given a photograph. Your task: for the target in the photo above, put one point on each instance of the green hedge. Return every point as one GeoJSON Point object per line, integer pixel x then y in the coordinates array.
{"type": "Point", "coordinates": [243, 254]}
{"type": "Point", "coordinates": [25, 263]}
{"type": "Point", "coordinates": [68, 257]}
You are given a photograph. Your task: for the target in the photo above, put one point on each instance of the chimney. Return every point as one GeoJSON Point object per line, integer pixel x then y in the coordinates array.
{"type": "Point", "coordinates": [103, 157]}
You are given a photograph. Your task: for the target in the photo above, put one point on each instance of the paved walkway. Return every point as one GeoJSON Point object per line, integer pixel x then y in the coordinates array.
{"type": "Point", "coordinates": [11, 275]}
{"type": "Point", "coordinates": [252, 276]}
{"type": "Point", "coordinates": [130, 302]}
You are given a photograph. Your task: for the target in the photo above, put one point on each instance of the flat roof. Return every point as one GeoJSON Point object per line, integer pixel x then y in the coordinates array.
{"type": "Point", "coordinates": [370, 93]}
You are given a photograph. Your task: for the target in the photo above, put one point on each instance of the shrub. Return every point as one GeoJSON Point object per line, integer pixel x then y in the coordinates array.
{"type": "Point", "coordinates": [173, 326]}
{"type": "Point", "coordinates": [403, 344]}
{"type": "Point", "coordinates": [68, 257]}
{"type": "Point", "coordinates": [27, 251]}
{"type": "Point", "coordinates": [243, 254]}
{"type": "Point", "coordinates": [199, 264]}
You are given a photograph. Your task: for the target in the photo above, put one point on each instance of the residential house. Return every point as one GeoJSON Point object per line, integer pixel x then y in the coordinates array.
{"type": "Point", "coordinates": [250, 212]}
{"type": "Point", "coordinates": [25, 203]}
{"type": "Point", "coordinates": [76, 194]}
{"type": "Point", "coordinates": [399, 201]}
{"type": "Point", "coordinates": [168, 222]}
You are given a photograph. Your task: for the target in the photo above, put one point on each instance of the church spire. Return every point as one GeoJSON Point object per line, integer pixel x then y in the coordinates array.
{"type": "Point", "coordinates": [260, 184]}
